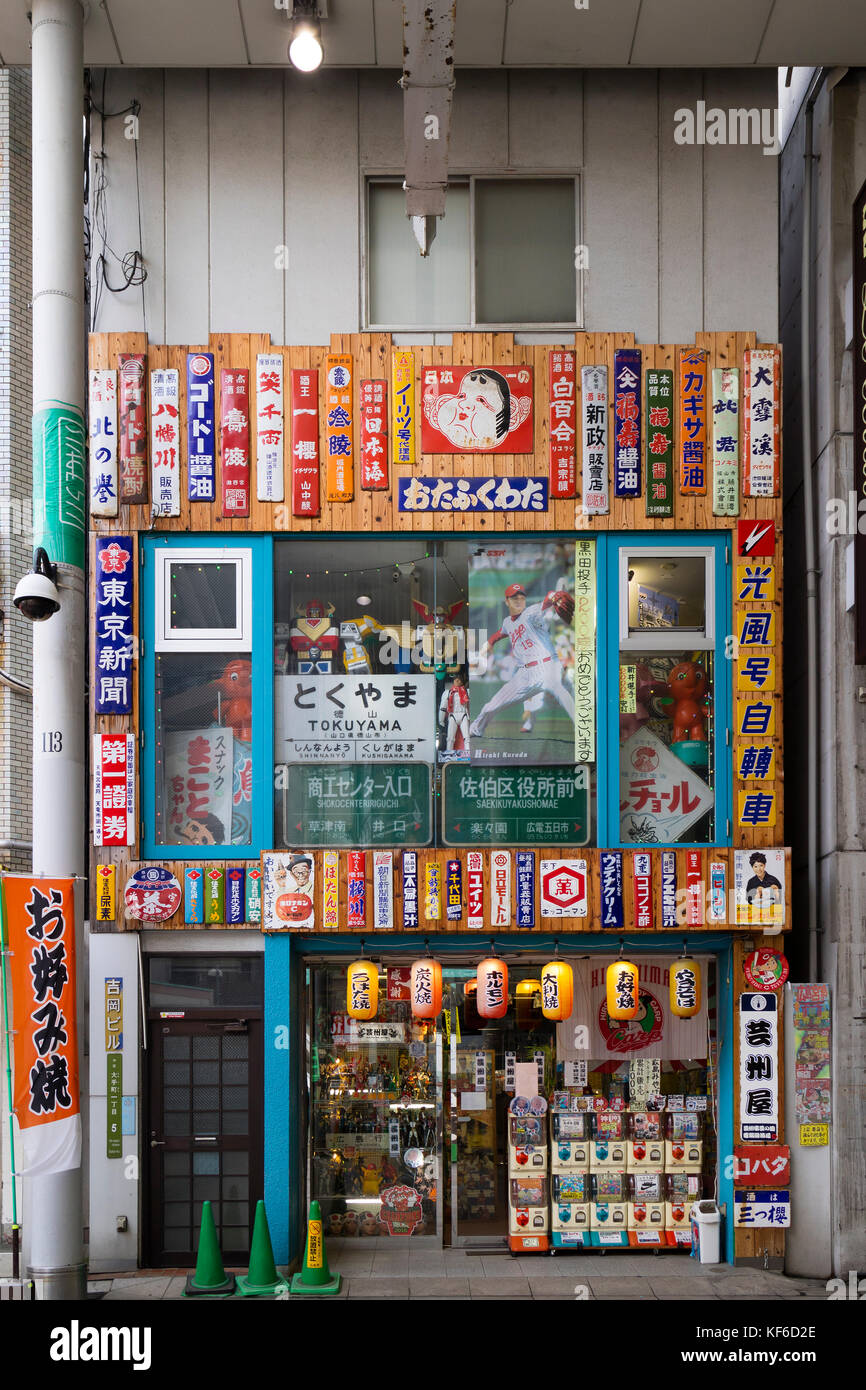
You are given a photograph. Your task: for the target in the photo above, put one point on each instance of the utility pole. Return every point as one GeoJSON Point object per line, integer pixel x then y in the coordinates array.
{"type": "Point", "coordinates": [53, 1220]}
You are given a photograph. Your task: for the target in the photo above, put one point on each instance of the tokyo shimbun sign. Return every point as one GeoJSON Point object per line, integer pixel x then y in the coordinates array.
{"type": "Point", "coordinates": [477, 410]}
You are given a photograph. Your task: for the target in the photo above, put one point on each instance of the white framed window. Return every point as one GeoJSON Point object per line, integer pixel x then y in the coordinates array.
{"type": "Point", "coordinates": [666, 596]}
{"type": "Point", "coordinates": [506, 255]}
{"type": "Point", "coordinates": [203, 600]}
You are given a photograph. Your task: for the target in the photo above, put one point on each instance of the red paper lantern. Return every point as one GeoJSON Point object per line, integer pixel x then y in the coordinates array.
{"type": "Point", "coordinates": [492, 996]}
{"type": "Point", "coordinates": [685, 987]}
{"type": "Point", "coordinates": [557, 990]}
{"type": "Point", "coordinates": [621, 980]}
{"type": "Point", "coordinates": [362, 990]}
{"type": "Point", "coordinates": [425, 988]}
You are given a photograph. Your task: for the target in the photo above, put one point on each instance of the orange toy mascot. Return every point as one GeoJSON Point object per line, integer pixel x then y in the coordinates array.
{"type": "Point", "coordinates": [236, 687]}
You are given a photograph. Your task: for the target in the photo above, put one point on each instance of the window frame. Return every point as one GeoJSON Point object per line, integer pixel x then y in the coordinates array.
{"type": "Point", "coordinates": [204, 639]}
{"type": "Point", "coordinates": [661, 639]}
{"type": "Point", "coordinates": [154, 552]}
{"type": "Point", "coordinates": [369, 177]}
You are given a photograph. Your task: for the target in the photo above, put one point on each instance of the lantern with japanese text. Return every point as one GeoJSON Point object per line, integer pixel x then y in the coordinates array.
{"type": "Point", "coordinates": [685, 987]}
{"type": "Point", "coordinates": [362, 990]}
{"type": "Point", "coordinates": [492, 995]}
{"type": "Point", "coordinates": [557, 990]}
{"type": "Point", "coordinates": [621, 979]}
{"type": "Point", "coordinates": [425, 988]}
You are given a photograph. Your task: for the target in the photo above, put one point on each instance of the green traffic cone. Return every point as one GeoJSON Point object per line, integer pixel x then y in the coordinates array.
{"type": "Point", "coordinates": [315, 1276]}
{"type": "Point", "coordinates": [210, 1279]}
{"type": "Point", "coordinates": [262, 1279]}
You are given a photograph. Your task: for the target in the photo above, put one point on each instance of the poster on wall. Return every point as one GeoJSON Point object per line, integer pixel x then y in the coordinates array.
{"type": "Point", "coordinates": [661, 797]}
{"type": "Point", "coordinates": [102, 417]}
{"type": "Point", "coordinates": [339, 418]}
{"type": "Point", "coordinates": [200, 427]}
{"type": "Point", "coordinates": [564, 887]}
{"type": "Point", "coordinates": [562, 427]}
{"type": "Point", "coordinates": [361, 718]}
{"type": "Point", "coordinates": [812, 1080]}
{"type": "Point", "coordinates": [114, 789]}
{"type": "Point", "coordinates": [165, 441]}
{"type": "Point", "coordinates": [269, 427]}
{"type": "Point", "coordinates": [759, 887]}
{"type": "Point", "coordinates": [403, 405]}
{"type": "Point", "coordinates": [521, 684]}
{"type": "Point", "coordinates": [235, 440]}
{"type": "Point", "coordinates": [132, 427]}
{"type": "Point", "coordinates": [593, 413]}
{"type": "Point", "coordinates": [199, 767]}
{"type": "Point", "coordinates": [655, 1033]}
{"type": "Point", "coordinates": [288, 887]}
{"type": "Point", "coordinates": [477, 410]}
{"type": "Point", "coordinates": [761, 422]}
{"type": "Point", "coordinates": [113, 635]}
{"type": "Point", "coordinates": [40, 922]}
{"type": "Point", "coordinates": [726, 441]}
{"type": "Point", "coordinates": [759, 1068]}
{"type": "Point", "coordinates": [305, 442]}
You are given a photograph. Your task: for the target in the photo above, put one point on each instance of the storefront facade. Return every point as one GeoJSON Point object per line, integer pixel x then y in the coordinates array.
{"type": "Point", "coordinates": [361, 693]}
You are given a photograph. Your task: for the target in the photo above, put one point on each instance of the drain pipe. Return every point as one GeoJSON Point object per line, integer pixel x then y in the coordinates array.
{"type": "Point", "coordinates": [812, 570]}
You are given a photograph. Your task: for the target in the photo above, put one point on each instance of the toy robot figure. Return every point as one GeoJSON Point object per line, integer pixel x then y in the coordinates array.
{"type": "Point", "coordinates": [360, 640]}
{"type": "Point", "coordinates": [454, 718]}
{"type": "Point", "coordinates": [440, 642]}
{"type": "Point", "coordinates": [313, 638]}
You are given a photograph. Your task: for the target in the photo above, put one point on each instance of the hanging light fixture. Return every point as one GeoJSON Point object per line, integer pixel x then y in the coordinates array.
{"type": "Point", "coordinates": [492, 995]}
{"type": "Point", "coordinates": [685, 986]}
{"type": "Point", "coordinates": [425, 988]}
{"type": "Point", "coordinates": [621, 981]}
{"type": "Point", "coordinates": [305, 45]}
{"type": "Point", "coordinates": [557, 989]}
{"type": "Point", "coordinates": [362, 989]}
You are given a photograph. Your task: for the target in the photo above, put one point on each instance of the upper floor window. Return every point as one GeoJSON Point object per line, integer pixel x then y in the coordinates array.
{"type": "Point", "coordinates": [505, 255]}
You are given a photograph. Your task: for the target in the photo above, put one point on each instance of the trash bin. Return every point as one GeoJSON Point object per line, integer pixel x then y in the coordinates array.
{"type": "Point", "coordinates": [706, 1232]}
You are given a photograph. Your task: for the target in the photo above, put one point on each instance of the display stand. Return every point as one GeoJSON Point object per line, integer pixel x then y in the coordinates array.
{"type": "Point", "coordinates": [570, 1179]}
{"type": "Point", "coordinates": [528, 1179]}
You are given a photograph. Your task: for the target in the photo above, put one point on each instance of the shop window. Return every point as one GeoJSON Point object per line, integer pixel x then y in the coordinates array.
{"type": "Point", "coordinates": [668, 716]}
{"type": "Point", "coordinates": [429, 692]}
{"type": "Point", "coordinates": [504, 255]}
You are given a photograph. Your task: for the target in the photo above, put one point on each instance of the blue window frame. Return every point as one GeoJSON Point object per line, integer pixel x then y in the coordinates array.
{"type": "Point", "coordinates": [207, 621]}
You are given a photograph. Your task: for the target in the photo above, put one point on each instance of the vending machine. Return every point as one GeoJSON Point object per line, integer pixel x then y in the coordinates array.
{"type": "Point", "coordinates": [528, 1177]}
{"type": "Point", "coordinates": [571, 1195]}
{"type": "Point", "coordinates": [684, 1154]}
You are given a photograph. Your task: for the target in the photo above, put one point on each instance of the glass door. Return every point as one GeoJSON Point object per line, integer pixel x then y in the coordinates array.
{"type": "Point", "coordinates": [480, 1059]}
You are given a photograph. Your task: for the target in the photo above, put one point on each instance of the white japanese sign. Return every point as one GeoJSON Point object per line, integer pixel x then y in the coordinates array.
{"type": "Point", "coordinates": [766, 1210]}
{"type": "Point", "coordinates": [500, 888]}
{"type": "Point", "coordinates": [269, 427]}
{"type": "Point", "coordinates": [759, 1068]}
{"type": "Point", "coordinates": [593, 409]}
{"type": "Point", "coordinates": [102, 413]}
{"type": "Point", "coordinates": [383, 890]}
{"type": "Point", "coordinates": [355, 718]}
{"type": "Point", "coordinates": [165, 441]}
{"type": "Point", "coordinates": [660, 795]}
{"type": "Point", "coordinates": [563, 888]}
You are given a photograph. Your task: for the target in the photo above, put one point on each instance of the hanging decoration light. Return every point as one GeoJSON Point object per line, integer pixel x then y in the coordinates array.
{"type": "Point", "coordinates": [621, 979]}
{"type": "Point", "coordinates": [362, 990]}
{"type": "Point", "coordinates": [685, 987]}
{"type": "Point", "coordinates": [492, 995]}
{"type": "Point", "coordinates": [425, 988]}
{"type": "Point", "coordinates": [557, 990]}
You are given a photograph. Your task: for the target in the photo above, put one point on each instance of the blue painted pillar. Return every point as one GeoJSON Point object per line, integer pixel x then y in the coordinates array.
{"type": "Point", "coordinates": [283, 1074]}
{"type": "Point", "coordinates": [727, 1022]}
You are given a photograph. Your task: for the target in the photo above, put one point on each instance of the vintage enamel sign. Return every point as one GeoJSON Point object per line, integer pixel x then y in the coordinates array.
{"type": "Point", "coordinates": [269, 427]}
{"type": "Point", "coordinates": [165, 441]}
{"type": "Point", "coordinates": [477, 410]}
{"type": "Point", "coordinates": [102, 413]}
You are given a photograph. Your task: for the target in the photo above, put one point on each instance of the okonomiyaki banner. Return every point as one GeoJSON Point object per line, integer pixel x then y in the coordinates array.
{"type": "Point", "coordinates": [40, 917]}
{"type": "Point", "coordinates": [521, 683]}
{"type": "Point", "coordinates": [655, 1032]}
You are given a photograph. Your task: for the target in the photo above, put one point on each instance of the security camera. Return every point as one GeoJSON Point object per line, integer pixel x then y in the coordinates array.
{"type": "Point", "coordinates": [36, 595]}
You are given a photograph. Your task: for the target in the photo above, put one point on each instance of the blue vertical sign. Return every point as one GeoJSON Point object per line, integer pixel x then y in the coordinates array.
{"type": "Point", "coordinates": [113, 640]}
{"type": "Point", "coordinates": [526, 888]}
{"type": "Point", "coordinates": [410, 890]}
{"type": "Point", "coordinates": [201, 446]}
{"type": "Point", "coordinates": [453, 890]}
{"type": "Point", "coordinates": [612, 912]}
{"type": "Point", "coordinates": [235, 896]}
{"type": "Point", "coordinates": [626, 417]}
{"type": "Point", "coordinates": [193, 896]}
{"type": "Point", "coordinates": [669, 888]}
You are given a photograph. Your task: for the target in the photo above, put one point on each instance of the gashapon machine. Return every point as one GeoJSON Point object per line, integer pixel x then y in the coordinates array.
{"type": "Point", "coordinates": [646, 1179]}
{"type": "Point", "coordinates": [569, 1173]}
{"type": "Point", "coordinates": [528, 1222]}
{"type": "Point", "coordinates": [608, 1151]}
{"type": "Point", "coordinates": [684, 1155]}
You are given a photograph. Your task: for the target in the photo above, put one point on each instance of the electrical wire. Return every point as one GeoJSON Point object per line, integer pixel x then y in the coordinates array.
{"type": "Point", "coordinates": [132, 268]}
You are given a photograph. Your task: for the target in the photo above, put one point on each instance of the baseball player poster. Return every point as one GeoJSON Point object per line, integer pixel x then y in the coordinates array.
{"type": "Point", "coordinates": [521, 683]}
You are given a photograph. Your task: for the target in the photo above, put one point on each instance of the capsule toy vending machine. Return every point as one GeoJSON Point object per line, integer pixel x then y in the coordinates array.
{"type": "Point", "coordinates": [609, 1179]}
{"type": "Point", "coordinates": [528, 1175]}
{"type": "Point", "coordinates": [646, 1179]}
{"type": "Point", "coordinates": [684, 1155]}
{"type": "Point", "coordinates": [569, 1173]}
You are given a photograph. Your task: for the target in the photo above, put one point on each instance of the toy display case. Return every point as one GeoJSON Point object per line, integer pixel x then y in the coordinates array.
{"type": "Point", "coordinates": [570, 1142]}
{"type": "Point", "coordinates": [608, 1218]}
{"type": "Point", "coordinates": [646, 1208]}
{"type": "Point", "coordinates": [528, 1188]}
{"type": "Point", "coordinates": [571, 1205]}
{"type": "Point", "coordinates": [682, 1190]}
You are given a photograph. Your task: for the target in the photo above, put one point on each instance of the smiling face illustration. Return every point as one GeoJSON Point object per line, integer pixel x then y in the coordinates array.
{"type": "Point", "coordinates": [479, 416]}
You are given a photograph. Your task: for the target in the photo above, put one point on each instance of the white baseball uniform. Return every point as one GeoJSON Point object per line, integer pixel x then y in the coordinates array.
{"type": "Point", "coordinates": [454, 706]}
{"type": "Point", "coordinates": [539, 667]}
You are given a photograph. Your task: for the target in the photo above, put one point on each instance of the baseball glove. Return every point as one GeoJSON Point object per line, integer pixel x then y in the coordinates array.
{"type": "Point", "coordinates": [562, 604]}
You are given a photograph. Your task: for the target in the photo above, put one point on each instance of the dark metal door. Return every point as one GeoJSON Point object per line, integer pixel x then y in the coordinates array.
{"type": "Point", "coordinates": [204, 1135]}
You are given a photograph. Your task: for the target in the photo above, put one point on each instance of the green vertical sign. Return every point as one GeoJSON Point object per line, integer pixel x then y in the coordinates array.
{"type": "Point", "coordinates": [215, 895]}
{"type": "Point", "coordinates": [59, 492]}
{"type": "Point", "coordinates": [659, 443]}
{"type": "Point", "coordinates": [114, 1105]}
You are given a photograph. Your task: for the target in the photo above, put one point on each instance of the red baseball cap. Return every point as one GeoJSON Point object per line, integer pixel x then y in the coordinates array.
{"type": "Point", "coordinates": [514, 589]}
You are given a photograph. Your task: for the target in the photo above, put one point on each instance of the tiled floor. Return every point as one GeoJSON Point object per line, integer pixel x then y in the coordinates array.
{"type": "Point", "coordinates": [376, 1271]}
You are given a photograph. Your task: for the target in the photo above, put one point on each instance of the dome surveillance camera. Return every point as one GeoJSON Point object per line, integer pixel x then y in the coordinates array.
{"type": "Point", "coordinates": [36, 595]}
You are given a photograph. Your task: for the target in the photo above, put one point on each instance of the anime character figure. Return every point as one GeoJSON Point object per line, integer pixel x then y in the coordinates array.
{"type": "Point", "coordinates": [482, 412]}
{"type": "Point", "coordinates": [313, 638]}
{"type": "Point", "coordinates": [360, 638]}
{"type": "Point", "coordinates": [440, 641]}
{"type": "Point", "coordinates": [687, 689]}
{"type": "Point", "coordinates": [539, 668]}
{"type": "Point", "coordinates": [235, 708]}
{"type": "Point", "coordinates": [370, 1179]}
{"type": "Point", "coordinates": [454, 718]}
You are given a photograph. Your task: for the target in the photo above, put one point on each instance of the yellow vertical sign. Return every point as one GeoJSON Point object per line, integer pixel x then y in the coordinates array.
{"type": "Point", "coordinates": [584, 651]}
{"type": "Point", "coordinates": [105, 893]}
{"type": "Point", "coordinates": [403, 406]}
{"type": "Point", "coordinates": [330, 890]}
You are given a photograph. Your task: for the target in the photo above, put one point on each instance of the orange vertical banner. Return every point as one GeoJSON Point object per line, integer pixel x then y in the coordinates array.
{"type": "Point", "coordinates": [40, 917]}
{"type": "Point", "coordinates": [339, 393]}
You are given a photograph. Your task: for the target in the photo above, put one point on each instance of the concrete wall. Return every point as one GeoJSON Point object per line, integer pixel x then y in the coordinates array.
{"type": "Point", "coordinates": [838, 172]}
{"type": "Point", "coordinates": [232, 165]}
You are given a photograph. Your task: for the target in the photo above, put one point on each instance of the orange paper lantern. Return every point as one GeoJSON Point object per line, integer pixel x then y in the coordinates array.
{"type": "Point", "coordinates": [492, 996]}
{"type": "Point", "coordinates": [557, 990]}
{"type": "Point", "coordinates": [425, 988]}
{"type": "Point", "coordinates": [362, 990]}
{"type": "Point", "coordinates": [621, 978]}
{"type": "Point", "coordinates": [685, 987]}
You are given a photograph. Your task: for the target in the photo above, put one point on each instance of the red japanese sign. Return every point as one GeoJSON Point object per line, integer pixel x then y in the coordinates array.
{"type": "Point", "coordinates": [374, 434]}
{"type": "Point", "coordinates": [477, 410]}
{"type": "Point", "coordinates": [399, 982]}
{"type": "Point", "coordinates": [357, 887]}
{"type": "Point", "coordinates": [132, 427]}
{"type": "Point", "coordinates": [765, 971]}
{"type": "Point", "coordinates": [643, 891]}
{"type": "Point", "coordinates": [40, 919]}
{"type": "Point", "coordinates": [113, 789]}
{"type": "Point", "coordinates": [756, 538]}
{"type": "Point", "coordinates": [694, 889]}
{"type": "Point", "coordinates": [562, 412]}
{"type": "Point", "coordinates": [338, 426]}
{"type": "Point", "coordinates": [693, 421]}
{"type": "Point", "coordinates": [757, 1165]}
{"type": "Point", "coordinates": [305, 442]}
{"type": "Point", "coordinates": [235, 440]}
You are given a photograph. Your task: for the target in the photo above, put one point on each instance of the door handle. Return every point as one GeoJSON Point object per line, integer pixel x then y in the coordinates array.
{"type": "Point", "coordinates": [157, 1143]}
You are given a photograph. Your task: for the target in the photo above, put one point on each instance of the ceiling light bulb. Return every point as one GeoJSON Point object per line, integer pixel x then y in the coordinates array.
{"type": "Point", "coordinates": [305, 50]}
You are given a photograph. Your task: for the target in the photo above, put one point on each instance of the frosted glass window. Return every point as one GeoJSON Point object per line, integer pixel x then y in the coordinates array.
{"type": "Point", "coordinates": [525, 240]}
{"type": "Point", "coordinates": [406, 288]}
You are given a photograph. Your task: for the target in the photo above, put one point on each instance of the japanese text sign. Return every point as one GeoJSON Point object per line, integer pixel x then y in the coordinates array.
{"type": "Point", "coordinates": [102, 412]}
{"type": "Point", "coordinates": [165, 441]}
{"type": "Point", "coordinates": [659, 443]}
{"type": "Point", "coordinates": [235, 440]}
{"type": "Point", "coordinates": [200, 427]}
{"type": "Point", "coordinates": [726, 441]}
{"type": "Point", "coordinates": [338, 424]}
{"type": "Point", "coordinates": [759, 1068]}
{"type": "Point", "coordinates": [472, 494]}
{"type": "Point", "coordinates": [113, 625]}
{"type": "Point", "coordinates": [693, 421]}
{"type": "Point", "coordinates": [114, 789]}
{"type": "Point", "coordinates": [477, 410]}
{"type": "Point", "coordinates": [305, 443]}
{"type": "Point", "coordinates": [269, 427]}
{"type": "Point", "coordinates": [132, 431]}
{"type": "Point", "coordinates": [374, 434]}
{"type": "Point", "coordinates": [761, 413]}
{"type": "Point", "coordinates": [562, 427]}
{"type": "Point", "coordinates": [358, 718]}
{"type": "Point", "coordinates": [403, 405]}
{"type": "Point", "coordinates": [593, 410]}
{"type": "Point", "coordinates": [626, 415]}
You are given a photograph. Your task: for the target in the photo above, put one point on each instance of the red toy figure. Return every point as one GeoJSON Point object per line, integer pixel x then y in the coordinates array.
{"type": "Point", "coordinates": [687, 688]}
{"type": "Point", "coordinates": [235, 710]}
